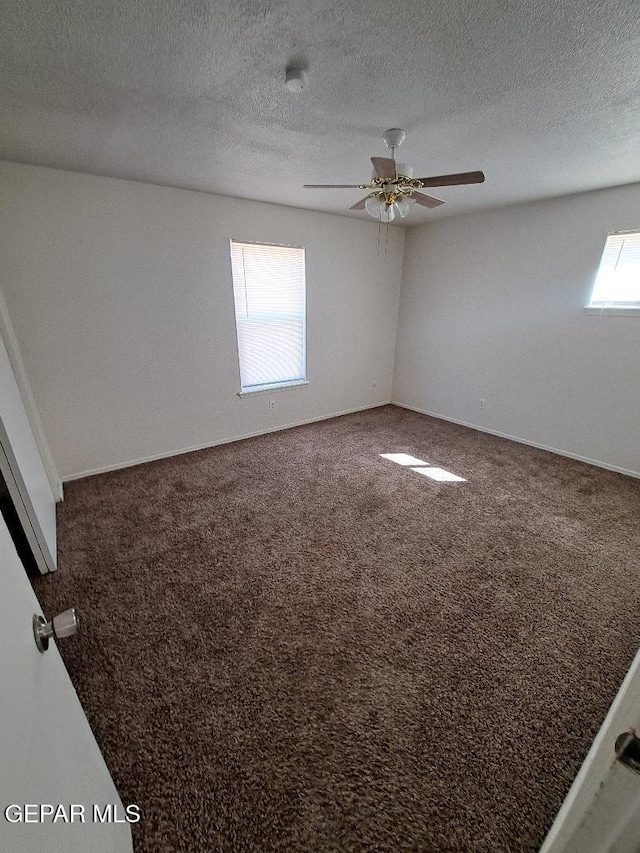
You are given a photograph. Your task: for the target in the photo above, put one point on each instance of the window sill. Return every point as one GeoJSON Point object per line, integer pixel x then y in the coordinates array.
{"type": "Point", "coordinates": [269, 389]}
{"type": "Point", "coordinates": [613, 312]}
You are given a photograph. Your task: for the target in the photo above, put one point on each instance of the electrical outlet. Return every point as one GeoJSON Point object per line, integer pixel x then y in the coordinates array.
{"type": "Point", "coordinates": [272, 405]}
{"type": "Point", "coordinates": [482, 404]}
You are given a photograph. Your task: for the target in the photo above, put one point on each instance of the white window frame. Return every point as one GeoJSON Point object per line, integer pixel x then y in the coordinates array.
{"type": "Point", "coordinates": [612, 307]}
{"type": "Point", "coordinates": [267, 388]}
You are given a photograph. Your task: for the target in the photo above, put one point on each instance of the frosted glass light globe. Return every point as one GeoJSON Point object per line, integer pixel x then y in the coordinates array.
{"type": "Point", "coordinates": [387, 213]}
{"type": "Point", "coordinates": [372, 206]}
{"type": "Point", "coordinates": [404, 205]}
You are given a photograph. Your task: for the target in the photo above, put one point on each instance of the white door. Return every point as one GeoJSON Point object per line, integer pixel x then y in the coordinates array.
{"type": "Point", "coordinates": [48, 755]}
{"type": "Point", "coordinates": [23, 471]}
{"type": "Point", "coordinates": [601, 813]}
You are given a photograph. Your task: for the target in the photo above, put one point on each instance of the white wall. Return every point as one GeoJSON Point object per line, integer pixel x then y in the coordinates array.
{"type": "Point", "coordinates": [120, 295]}
{"type": "Point", "coordinates": [492, 307]}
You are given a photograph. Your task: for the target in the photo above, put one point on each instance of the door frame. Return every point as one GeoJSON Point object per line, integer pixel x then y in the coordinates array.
{"type": "Point", "coordinates": [19, 494]}
{"type": "Point", "coordinates": [8, 335]}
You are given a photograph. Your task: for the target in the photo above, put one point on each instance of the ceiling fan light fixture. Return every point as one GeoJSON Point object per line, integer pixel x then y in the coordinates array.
{"type": "Point", "coordinates": [379, 209]}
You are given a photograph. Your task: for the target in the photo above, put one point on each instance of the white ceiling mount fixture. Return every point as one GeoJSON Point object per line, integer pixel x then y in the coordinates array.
{"type": "Point", "coordinates": [296, 79]}
{"type": "Point", "coordinates": [393, 189]}
{"type": "Point", "coordinates": [394, 137]}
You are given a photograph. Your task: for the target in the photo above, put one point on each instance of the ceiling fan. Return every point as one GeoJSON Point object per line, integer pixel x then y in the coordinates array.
{"type": "Point", "coordinates": [393, 189]}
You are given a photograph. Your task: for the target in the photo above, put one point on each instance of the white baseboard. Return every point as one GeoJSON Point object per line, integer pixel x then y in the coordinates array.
{"type": "Point", "coordinates": [596, 462]}
{"type": "Point", "coordinates": [142, 460]}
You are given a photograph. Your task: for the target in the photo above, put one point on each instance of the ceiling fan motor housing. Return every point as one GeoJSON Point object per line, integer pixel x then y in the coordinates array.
{"type": "Point", "coordinates": [402, 170]}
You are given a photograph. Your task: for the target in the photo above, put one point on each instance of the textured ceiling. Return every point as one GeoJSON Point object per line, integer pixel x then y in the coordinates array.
{"type": "Point", "coordinates": [543, 95]}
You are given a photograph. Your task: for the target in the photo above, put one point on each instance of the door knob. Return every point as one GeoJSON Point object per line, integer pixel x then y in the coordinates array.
{"type": "Point", "coordinates": [63, 625]}
{"type": "Point", "coordinates": [627, 749]}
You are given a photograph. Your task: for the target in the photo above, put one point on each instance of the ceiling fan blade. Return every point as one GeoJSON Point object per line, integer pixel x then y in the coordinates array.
{"type": "Point", "coordinates": [359, 205]}
{"type": "Point", "coordinates": [385, 167]}
{"type": "Point", "coordinates": [453, 180]}
{"type": "Point", "coordinates": [332, 186]}
{"type": "Point", "coordinates": [427, 200]}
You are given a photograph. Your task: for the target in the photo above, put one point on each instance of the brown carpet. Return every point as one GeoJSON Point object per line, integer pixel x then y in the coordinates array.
{"type": "Point", "coordinates": [291, 644]}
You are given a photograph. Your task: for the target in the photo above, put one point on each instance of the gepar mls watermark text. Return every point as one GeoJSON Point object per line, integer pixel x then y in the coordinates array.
{"type": "Point", "coordinates": [73, 813]}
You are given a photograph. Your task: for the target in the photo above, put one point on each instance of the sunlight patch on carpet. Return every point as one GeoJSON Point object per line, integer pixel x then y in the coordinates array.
{"type": "Point", "coordinates": [403, 459]}
{"type": "Point", "coordinates": [440, 475]}
{"type": "Point", "coordinates": [422, 467]}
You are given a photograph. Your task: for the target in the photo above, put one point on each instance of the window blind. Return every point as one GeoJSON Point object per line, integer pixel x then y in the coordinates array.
{"type": "Point", "coordinates": [618, 279]}
{"type": "Point", "coordinates": [269, 294]}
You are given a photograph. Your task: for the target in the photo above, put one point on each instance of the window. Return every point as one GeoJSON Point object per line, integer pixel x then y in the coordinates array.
{"type": "Point", "coordinates": [269, 294]}
{"type": "Point", "coordinates": [617, 284]}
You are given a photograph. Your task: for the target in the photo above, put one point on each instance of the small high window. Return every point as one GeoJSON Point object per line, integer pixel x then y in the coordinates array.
{"type": "Point", "coordinates": [617, 284]}
{"type": "Point", "coordinates": [269, 293]}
